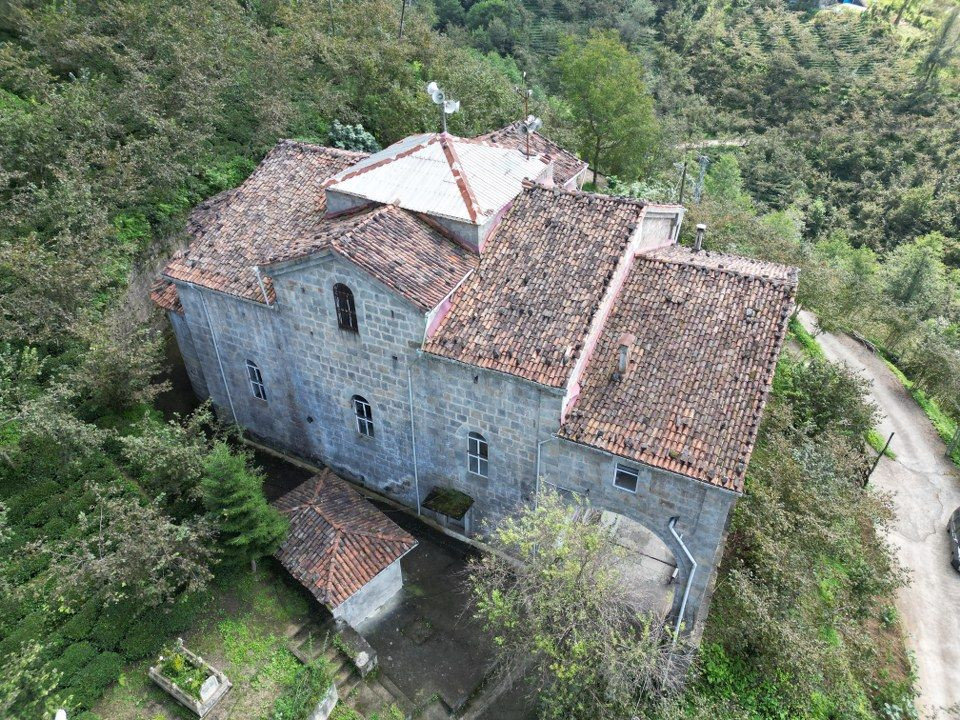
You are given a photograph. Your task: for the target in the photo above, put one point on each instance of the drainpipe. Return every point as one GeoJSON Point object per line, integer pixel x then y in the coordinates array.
{"type": "Point", "coordinates": [536, 498]}
{"type": "Point", "coordinates": [216, 350]}
{"type": "Point", "coordinates": [413, 431]}
{"type": "Point", "coordinates": [693, 571]}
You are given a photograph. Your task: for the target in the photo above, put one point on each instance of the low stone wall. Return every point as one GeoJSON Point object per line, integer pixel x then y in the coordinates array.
{"type": "Point", "coordinates": [207, 702]}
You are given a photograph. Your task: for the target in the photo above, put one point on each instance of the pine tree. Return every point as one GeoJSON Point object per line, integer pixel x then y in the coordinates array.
{"type": "Point", "coordinates": [248, 526]}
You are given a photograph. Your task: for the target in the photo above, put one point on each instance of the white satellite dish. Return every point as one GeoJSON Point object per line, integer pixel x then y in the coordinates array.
{"type": "Point", "coordinates": [439, 97]}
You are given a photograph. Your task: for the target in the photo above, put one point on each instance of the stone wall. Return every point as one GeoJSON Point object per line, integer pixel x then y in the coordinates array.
{"type": "Point", "coordinates": [312, 369]}
{"type": "Point", "coordinates": [702, 511]}
{"type": "Point", "coordinates": [372, 596]}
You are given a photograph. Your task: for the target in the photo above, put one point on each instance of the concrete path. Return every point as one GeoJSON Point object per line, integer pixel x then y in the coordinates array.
{"type": "Point", "coordinates": [925, 487]}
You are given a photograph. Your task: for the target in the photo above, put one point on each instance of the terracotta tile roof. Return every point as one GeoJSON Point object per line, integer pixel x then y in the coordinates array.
{"type": "Point", "coordinates": [400, 250]}
{"type": "Point", "coordinates": [277, 215]}
{"type": "Point", "coordinates": [278, 206]}
{"type": "Point", "coordinates": [707, 331]}
{"type": "Point", "coordinates": [338, 541]}
{"type": "Point", "coordinates": [528, 307]}
{"type": "Point", "coordinates": [164, 295]}
{"type": "Point", "coordinates": [565, 163]}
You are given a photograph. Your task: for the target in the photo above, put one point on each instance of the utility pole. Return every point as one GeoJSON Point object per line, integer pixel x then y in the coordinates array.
{"type": "Point", "coordinates": [877, 461]}
{"type": "Point", "coordinates": [525, 92]}
{"type": "Point", "coordinates": [698, 187]}
{"type": "Point", "coordinates": [683, 181]}
{"type": "Point", "coordinates": [403, 11]}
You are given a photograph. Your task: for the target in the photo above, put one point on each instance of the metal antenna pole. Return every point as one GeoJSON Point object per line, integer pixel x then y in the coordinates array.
{"type": "Point", "coordinates": [698, 188]}
{"type": "Point", "coordinates": [683, 181]}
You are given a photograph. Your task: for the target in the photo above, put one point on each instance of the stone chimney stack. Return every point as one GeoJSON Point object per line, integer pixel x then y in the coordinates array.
{"type": "Point", "coordinates": [701, 232]}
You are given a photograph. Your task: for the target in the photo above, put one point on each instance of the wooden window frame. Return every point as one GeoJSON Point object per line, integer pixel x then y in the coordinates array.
{"type": "Point", "coordinates": [478, 454]}
{"type": "Point", "coordinates": [630, 472]}
{"type": "Point", "coordinates": [363, 412]}
{"type": "Point", "coordinates": [346, 307]}
{"type": "Point", "coordinates": [255, 376]}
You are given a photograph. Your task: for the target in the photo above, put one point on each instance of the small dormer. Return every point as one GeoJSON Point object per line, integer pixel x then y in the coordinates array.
{"type": "Point", "coordinates": [462, 185]}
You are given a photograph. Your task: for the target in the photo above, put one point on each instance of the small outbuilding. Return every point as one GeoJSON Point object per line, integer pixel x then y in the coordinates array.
{"type": "Point", "coordinates": [341, 548]}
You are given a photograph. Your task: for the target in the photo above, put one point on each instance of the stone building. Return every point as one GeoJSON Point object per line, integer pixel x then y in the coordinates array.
{"type": "Point", "coordinates": [453, 322]}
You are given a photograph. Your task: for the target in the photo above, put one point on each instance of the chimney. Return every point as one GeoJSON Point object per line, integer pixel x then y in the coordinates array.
{"type": "Point", "coordinates": [623, 354]}
{"type": "Point", "coordinates": [701, 231]}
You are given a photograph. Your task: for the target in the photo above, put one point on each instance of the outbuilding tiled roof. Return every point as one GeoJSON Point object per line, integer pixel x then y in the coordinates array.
{"type": "Point", "coordinates": [704, 331]}
{"type": "Point", "coordinates": [338, 542]}
{"type": "Point", "coordinates": [565, 163]}
{"type": "Point", "coordinates": [528, 307]}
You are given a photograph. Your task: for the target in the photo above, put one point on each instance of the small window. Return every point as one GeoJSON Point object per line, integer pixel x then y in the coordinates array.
{"type": "Point", "coordinates": [626, 478]}
{"type": "Point", "coordinates": [256, 380]}
{"type": "Point", "coordinates": [346, 309]}
{"type": "Point", "coordinates": [477, 454]}
{"type": "Point", "coordinates": [364, 415]}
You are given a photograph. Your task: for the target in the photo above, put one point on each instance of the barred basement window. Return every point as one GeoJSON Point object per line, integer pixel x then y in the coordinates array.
{"type": "Point", "coordinates": [256, 380]}
{"type": "Point", "coordinates": [346, 309]}
{"type": "Point", "coordinates": [477, 454]}
{"type": "Point", "coordinates": [626, 478]}
{"type": "Point", "coordinates": [364, 413]}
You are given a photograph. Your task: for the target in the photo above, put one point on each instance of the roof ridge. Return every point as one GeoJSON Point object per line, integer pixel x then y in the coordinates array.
{"type": "Point", "coordinates": [613, 199]}
{"type": "Point", "coordinates": [791, 280]}
{"type": "Point", "coordinates": [459, 174]}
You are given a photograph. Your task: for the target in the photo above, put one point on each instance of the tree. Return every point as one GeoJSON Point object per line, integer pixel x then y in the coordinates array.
{"type": "Point", "coordinates": [124, 548]}
{"type": "Point", "coordinates": [248, 526]}
{"type": "Point", "coordinates": [352, 137]}
{"type": "Point", "coordinates": [612, 111]}
{"type": "Point", "coordinates": [552, 595]}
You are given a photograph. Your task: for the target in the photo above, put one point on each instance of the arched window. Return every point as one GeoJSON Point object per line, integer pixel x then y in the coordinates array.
{"type": "Point", "coordinates": [364, 413]}
{"type": "Point", "coordinates": [346, 309]}
{"type": "Point", "coordinates": [256, 380]}
{"type": "Point", "coordinates": [477, 452]}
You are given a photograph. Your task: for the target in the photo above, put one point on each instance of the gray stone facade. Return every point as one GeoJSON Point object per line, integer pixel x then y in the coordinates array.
{"type": "Point", "coordinates": [311, 370]}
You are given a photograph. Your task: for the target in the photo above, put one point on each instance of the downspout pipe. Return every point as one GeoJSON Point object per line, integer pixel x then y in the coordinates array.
{"type": "Point", "coordinates": [216, 350]}
{"type": "Point", "coordinates": [672, 525]}
{"type": "Point", "coordinates": [536, 498]}
{"type": "Point", "coordinates": [413, 431]}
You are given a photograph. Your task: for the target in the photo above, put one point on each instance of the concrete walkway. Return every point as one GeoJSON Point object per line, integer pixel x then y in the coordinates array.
{"type": "Point", "coordinates": [925, 487]}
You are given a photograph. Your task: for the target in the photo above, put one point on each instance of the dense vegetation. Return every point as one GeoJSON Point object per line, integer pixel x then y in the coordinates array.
{"type": "Point", "coordinates": [842, 137]}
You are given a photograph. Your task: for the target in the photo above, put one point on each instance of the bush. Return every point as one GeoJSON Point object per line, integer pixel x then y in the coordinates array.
{"type": "Point", "coordinates": [88, 684]}
{"type": "Point", "coordinates": [81, 624]}
{"type": "Point", "coordinates": [352, 137]}
{"type": "Point", "coordinates": [113, 622]}
{"type": "Point", "coordinates": [74, 659]}
{"type": "Point", "coordinates": [145, 637]}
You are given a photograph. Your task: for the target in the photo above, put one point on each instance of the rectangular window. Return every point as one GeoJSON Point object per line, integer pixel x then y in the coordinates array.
{"type": "Point", "coordinates": [477, 454]}
{"type": "Point", "coordinates": [626, 478]}
{"type": "Point", "coordinates": [364, 416]}
{"type": "Point", "coordinates": [256, 381]}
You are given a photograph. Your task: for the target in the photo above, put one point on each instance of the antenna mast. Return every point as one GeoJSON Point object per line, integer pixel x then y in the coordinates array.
{"type": "Point", "coordinates": [526, 92]}
{"type": "Point", "coordinates": [447, 107]}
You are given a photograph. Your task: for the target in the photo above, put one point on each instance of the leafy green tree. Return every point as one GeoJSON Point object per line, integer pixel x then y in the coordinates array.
{"type": "Point", "coordinates": [352, 137]}
{"type": "Point", "coordinates": [914, 275]}
{"type": "Point", "coordinates": [553, 594]}
{"type": "Point", "coordinates": [611, 109]}
{"type": "Point", "coordinates": [248, 526]}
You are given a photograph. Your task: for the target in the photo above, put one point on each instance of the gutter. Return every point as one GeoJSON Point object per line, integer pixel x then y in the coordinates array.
{"type": "Point", "coordinates": [693, 571]}
{"type": "Point", "coordinates": [216, 350]}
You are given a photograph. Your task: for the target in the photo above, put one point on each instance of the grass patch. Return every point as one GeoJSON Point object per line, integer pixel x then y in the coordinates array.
{"type": "Point", "coordinates": [809, 343]}
{"type": "Point", "coordinates": [945, 425]}
{"type": "Point", "coordinates": [878, 441]}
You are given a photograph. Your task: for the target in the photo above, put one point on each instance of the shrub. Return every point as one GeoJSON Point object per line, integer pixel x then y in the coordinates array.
{"type": "Point", "coordinates": [88, 684]}
{"type": "Point", "coordinates": [113, 622]}
{"type": "Point", "coordinates": [81, 624]}
{"type": "Point", "coordinates": [352, 137]}
{"type": "Point", "coordinates": [145, 637]}
{"type": "Point", "coordinates": [74, 659]}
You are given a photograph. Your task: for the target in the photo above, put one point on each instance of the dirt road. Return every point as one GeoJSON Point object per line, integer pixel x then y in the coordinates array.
{"type": "Point", "coordinates": [926, 488]}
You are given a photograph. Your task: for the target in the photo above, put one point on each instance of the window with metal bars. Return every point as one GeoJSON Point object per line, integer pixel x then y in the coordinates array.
{"type": "Point", "coordinates": [477, 454]}
{"type": "Point", "coordinates": [346, 308]}
{"type": "Point", "coordinates": [364, 413]}
{"type": "Point", "coordinates": [256, 380]}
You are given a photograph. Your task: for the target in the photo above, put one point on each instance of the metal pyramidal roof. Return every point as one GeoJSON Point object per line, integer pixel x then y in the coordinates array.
{"type": "Point", "coordinates": [440, 174]}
